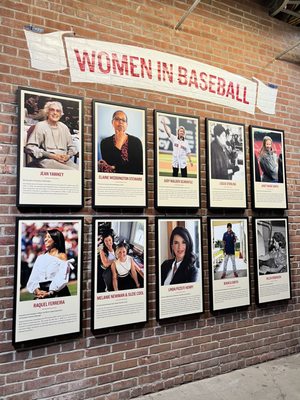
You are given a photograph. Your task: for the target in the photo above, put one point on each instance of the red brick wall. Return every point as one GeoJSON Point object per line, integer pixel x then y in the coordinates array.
{"type": "Point", "coordinates": [239, 37]}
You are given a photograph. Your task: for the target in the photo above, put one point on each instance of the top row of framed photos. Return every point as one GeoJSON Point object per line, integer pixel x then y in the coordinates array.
{"type": "Point", "coordinates": [51, 157]}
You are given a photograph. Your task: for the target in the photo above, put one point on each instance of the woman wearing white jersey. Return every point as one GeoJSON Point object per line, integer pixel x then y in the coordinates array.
{"type": "Point", "coordinates": [181, 150]}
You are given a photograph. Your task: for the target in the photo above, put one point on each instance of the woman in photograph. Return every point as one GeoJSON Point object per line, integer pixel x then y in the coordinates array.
{"type": "Point", "coordinates": [276, 260]}
{"type": "Point", "coordinates": [181, 150]}
{"type": "Point", "coordinates": [182, 267]}
{"type": "Point", "coordinates": [121, 153]}
{"type": "Point", "coordinates": [268, 161]}
{"type": "Point", "coordinates": [50, 145]}
{"type": "Point", "coordinates": [124, 270]}
{"type": "Point", "coordinates": [50, 272]}
{"type": "Point", "coordinates": [106, 258]}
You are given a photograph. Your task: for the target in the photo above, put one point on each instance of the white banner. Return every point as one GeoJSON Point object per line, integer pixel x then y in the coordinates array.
{"type": "Point", "coordinates": [117, 64]}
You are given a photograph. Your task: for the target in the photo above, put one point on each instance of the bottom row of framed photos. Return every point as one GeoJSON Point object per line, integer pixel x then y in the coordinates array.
{"type": "Point", "coordinates": [49, 270]}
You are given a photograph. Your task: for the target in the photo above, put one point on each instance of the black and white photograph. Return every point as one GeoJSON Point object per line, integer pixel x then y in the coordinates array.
{"type": "Point", "coordinates": [268, 168]}
{"type": "Point", "coordinates": [226, 164]}
{"type": "Point", "coordinates": [229, 262]}
{"type": "Point", "coordinates": [119, 284]}
{"type": "Point", "coordinates": [272, 259]}
{"type": "Point", "coordinates": [179, 267]}
{"type": "Point", "coordinates": [47, 278]}
{"type": "Point", "coordinates": [177, 160]}
{"type": "Point", "coordinates": [50, 153]}
{"type": "Point", "coordinates": [119, 159]}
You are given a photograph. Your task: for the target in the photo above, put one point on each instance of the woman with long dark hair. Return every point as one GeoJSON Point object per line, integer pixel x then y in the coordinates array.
{"type": "Point", "coordinates": [50, 272]}
{"type": "Point", "coordinates": [182, 267]}
{"type": "Point", "coordinates": [106, 258]}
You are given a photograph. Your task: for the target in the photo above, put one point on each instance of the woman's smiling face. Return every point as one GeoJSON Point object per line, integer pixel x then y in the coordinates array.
{"type": "Point", "coordinates": [179, 247]}
{"type": "Point", "coordinates": [49, 242]}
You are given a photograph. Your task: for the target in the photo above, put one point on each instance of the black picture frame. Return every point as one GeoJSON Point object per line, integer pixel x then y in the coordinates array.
{"type": "Point", "coordinates": [119, 299]}
{"type": "Point", "coordinates": [43, 181]}
{"type": "Point", "coordinates": [48, 279]}
{"type": "Point", "coordinates": [177, 175]}
{"type": "Point", "coordinates": [272, 259]}
{"type": "Point", "coordinates": [226, 164]}
{"type": "Point", "coordinates": [228, 288]}
{"type": "Point", "coordinates": [118, 183]}
{"type": "Point", "coordinates": [180, 294]}
{"type": "Point", "coordinates": [268, 169]}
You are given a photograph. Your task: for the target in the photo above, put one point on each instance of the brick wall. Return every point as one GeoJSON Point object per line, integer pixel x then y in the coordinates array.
{"type": "Point", "coordinates": [237, 36]}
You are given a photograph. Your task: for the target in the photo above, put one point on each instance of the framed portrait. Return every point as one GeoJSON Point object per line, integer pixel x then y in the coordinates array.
{"type": "Point", "coordinates": [228, 263]}
{"type": "Point", "coordinates": [226, 164]}
{"type": "Point", "coordinates": [177, 160]}
{"type": "Point", "coordinates": [178, 267]}
{"type": "Point", "coordinates": [119, 155]}
{"type": "Point", "coordinates": [119, 278]}
{"type": "Point", "coordinates": [272, 260]}
{"type": "Point", "coordinates": [48, 277]}
{"type": "Point", "coordinates": [267, 154]}
{"type": "Point", "coordinates": [50, 144]}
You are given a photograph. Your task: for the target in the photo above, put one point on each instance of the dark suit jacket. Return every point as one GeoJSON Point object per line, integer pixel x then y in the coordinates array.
{"type": "Point", "coordinates": [112, 155]}
{"type": "Point", "coordinates": [182, 275]}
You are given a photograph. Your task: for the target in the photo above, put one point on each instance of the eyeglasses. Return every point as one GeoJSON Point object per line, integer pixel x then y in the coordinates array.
{"type": "Point", "coordinates": [120, 120]}
{"type": "Point", "coordinates": [55, 109]}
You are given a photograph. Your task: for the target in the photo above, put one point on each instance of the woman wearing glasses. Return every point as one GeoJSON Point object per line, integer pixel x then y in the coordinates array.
{"type": "Point", "coordinates": [50, 145]}
{"type": "Point", "coordinates": [122, 153]}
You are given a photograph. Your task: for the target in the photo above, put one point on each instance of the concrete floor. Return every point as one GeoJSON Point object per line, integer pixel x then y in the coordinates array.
{"type": "Point", "coordinates": [273, 380]}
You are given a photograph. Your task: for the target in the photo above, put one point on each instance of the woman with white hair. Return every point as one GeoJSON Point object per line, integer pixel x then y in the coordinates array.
{"type": "Point", "coordinates": [50, 144]}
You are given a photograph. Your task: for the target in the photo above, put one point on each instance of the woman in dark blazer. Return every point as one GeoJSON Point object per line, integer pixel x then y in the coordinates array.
{"type": "Point", "coordinates": [183, 266]}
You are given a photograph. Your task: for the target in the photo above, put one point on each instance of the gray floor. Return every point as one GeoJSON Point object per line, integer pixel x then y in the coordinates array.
{"type": "Point", "coordinates": [272, 380]}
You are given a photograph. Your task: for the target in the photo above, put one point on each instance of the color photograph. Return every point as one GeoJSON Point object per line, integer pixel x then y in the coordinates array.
{"type": "Point", "coordinates": [177, 160]}
{"type": "Point", "coordinates": [229, 262]}
{"type": "Point", "coordinates": [119, 155]}
{"type": "Point", "coordinates": [179, 267]}
{"type": "Point", "coordinates": [48, 277]}
{"type": "Point", "coordinates": [119, 272]}
{"type": "Point", "coordinates": [268, 168]}
{"type": "Point", "coordinates": [50, 149]}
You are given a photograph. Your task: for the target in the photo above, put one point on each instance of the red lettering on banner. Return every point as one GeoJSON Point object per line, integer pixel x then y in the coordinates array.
{"type": "Point", "coordinates": [245, 101]}
{"type": "Point", "coordinates": [167, 72]}
{"type": "Point", "coordinates": [100, 62]}
{"type": "Point", "coordinates": [193, 79]}
{"type": "Point", "coordinates": [133, 66]}
{"type": "Point", "coordinates": [120, 67]}
{"type": "Point", "coordinates": [159, 70]}
{"type": "Point", "coordinates": [146, 68]}
{"type": "Point", "coordinates": [211, 83]}
{"type": "Point", "coordinates": [182, 76]}
{"type": "Point", "coordinates": [85, 60]}
{"type": "Point", "coordinates": [203, 84]}
{"type": "Point", "coordinates": [237, 93]}
{"type": "Point", "coordinates": [221, 87]}
{"type": "Point", "coordinates": [230, 90]}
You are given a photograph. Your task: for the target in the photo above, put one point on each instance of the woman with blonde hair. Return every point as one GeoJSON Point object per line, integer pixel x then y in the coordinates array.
{"type": "Point", "coordinates": [268, 161]}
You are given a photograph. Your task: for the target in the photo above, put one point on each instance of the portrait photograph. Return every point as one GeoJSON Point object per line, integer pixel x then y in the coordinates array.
{"type": "Point", "coordinates": [119, 285]}
{"type": "Point", "coordinates": [226, 164]}
{"type": "Point", "coordinates": [119, 155]}
{"type": "Point", "coordinates": [177, 160]}
{"type": "Point", "coordinates": [50, 154]}
{"type": "Point", "coordinates": [272, 259]}
{"type": "Point", "coordinates": [229, 262]}
{"type": "Point", "coordinates": [47, 277]}
{"type": "Point", "coordinates": [179, 267]}
{"type": "Point", "coordinates": [268, 168]}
